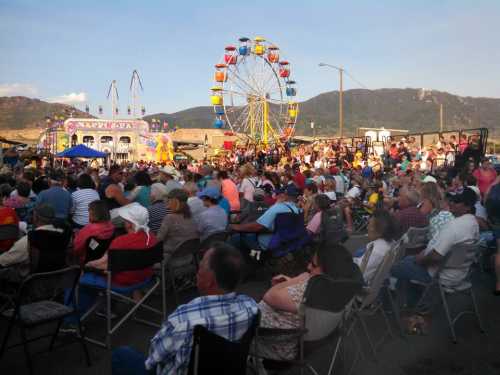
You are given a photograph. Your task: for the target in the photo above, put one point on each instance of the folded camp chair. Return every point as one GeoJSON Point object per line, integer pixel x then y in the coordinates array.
{"type": "Point", "coordinates": [39, 302]}
{"type": "Point", "coordinates": [130, 260]}
{"type": "Point", "coordinates": [461, 257]}
{"type": "Point", "coordinates": [213, 354]}
{"type": "Point", "coordinates": [321, 317]}
{"type": "Point", "coordinates": [183, 266]}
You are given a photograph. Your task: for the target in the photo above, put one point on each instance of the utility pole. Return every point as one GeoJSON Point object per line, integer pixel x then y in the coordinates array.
{"type": "Point", "coordinates": [441, 118]}
{"type": "Point", "coordinates": [341, 106]}
{"type": "Point", "coordinates": [313, 130]}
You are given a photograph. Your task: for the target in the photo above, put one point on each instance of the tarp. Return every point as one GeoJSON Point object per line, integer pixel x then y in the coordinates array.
{"type": "Point", "coordinates": [81, 151]}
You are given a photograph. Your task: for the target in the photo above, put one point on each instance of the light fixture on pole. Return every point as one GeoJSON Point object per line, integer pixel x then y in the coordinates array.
{"type": "Point", "coordinates": [313, 130]}
{"type": "Point", "coordinates": [341, 114]}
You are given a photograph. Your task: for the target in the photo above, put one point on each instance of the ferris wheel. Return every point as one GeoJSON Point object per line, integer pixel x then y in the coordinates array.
{"type": "Point", "coordinates": [253, 94]}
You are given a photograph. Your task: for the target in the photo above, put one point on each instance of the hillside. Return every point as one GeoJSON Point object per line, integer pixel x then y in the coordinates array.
{"type": "Point", "coordinates": [19, 112]}
{"type": "Point", "coordinates": [410, 109]}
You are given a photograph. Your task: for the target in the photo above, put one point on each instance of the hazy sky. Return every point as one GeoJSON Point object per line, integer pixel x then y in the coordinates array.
{"type": "Point", "coordinates": [71, 50]}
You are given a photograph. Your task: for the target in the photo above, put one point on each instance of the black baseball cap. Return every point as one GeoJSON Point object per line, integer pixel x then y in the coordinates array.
{"type": "Point", "coordinates": [467, 197]}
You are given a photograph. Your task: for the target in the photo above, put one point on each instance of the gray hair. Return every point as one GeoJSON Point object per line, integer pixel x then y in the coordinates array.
{"type": "Point", "coordinates": [412, 195]}
{"type": "Point", "coordinates": [191, 188]}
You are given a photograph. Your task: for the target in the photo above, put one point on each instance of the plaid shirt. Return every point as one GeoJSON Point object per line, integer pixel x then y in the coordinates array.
{"type": "Point", "coordinates": [410, 217]}
{"type": "Point", "coordinates": [229, 316]}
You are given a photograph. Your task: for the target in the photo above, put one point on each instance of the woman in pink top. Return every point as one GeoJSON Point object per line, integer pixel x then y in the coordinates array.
{"type": "Point", "coordinates": [229, 190]}
{"type": "Point", "coordinates": [485, 175]}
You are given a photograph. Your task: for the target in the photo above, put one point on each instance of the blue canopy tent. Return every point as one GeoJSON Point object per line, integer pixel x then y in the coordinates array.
{"type": "Point", "coordinates": [81, 151]}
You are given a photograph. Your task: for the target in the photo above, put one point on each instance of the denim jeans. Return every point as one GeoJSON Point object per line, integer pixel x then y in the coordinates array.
{"type": "Point", "coordinates": [128, 361]}
{"type": "Point", "coordinates": [86, 296]}
{"type": "Point", "coordinates": [407, 270]}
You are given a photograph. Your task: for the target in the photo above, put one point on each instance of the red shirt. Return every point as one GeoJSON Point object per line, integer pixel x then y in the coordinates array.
{"type": "Point", "coordinates": [102, 231]}
{"type": "Point", "coordinates": [8, 216]}
{"type": "Point", "coordinates": [485, 178]}
{"type": "Point", "coordinates": [133, 241]}
{"type": "Point", "coordinates": [299, 180]}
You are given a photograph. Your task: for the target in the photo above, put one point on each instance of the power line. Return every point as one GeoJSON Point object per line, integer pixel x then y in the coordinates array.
{"type": "Point", "coordinates": [354, 79]}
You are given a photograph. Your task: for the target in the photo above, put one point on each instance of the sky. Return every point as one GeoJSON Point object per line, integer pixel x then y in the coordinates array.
{"type": "Point", "coordinates": [70, 51]}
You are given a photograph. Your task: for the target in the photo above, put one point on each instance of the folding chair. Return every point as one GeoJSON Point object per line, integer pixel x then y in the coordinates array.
{"type": "Point", "coordinates": [47, 252]}
{"type": "Point", "coordinates": [370, 304]}
{"type": "Point", "coordinates": [9, 232]}
{"type": "Point", "coordinates": [209, 349]}
{"type": "Point", "coordinates": [183, 266]}
{"type": "Point", "coordinates": [39, 302]}
{"type": "Point", "coordinates": [130, 260]}
{"type": "Point", "coordinates": [211, 239]}
{"type": "Point", "coordinates": [48, 249]}
{"type": "Point", "coordinates": [96, 248]}
{"type": "Point", "coordinates": [321, 318]}
{"type": "Point", "coordinates": [460, 257]}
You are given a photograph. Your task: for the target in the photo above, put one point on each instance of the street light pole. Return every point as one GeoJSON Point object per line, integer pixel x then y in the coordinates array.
{"type": "Point", "coordinates": [441, 118]}
{"type": "Point", "coordinates": [341, 97]}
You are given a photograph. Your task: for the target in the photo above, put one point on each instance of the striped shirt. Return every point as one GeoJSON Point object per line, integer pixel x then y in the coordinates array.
{"type": "Point", "coordinates": [80, 208]}
{"type": "Point", "coordinates": [228, 315]}
{"type": "Point", "coordinates": [157, 212]}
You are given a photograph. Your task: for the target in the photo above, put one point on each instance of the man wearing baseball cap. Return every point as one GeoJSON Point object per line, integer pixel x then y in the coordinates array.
{"type": "Point", "coordinates": [286, 199]}
{"type": "Point", "coordinates": [462, 229]}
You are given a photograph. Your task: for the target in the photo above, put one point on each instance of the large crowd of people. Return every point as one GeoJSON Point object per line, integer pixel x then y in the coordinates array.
{"type": "Point", "coordinates": [137, 205]}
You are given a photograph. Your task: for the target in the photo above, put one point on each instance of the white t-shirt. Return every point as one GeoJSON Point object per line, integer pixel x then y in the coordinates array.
{"type": "Point", "coordinates": [354, 192]}
{"type": "Point", "coordinates": [463, 229]}
{"type": "Point", "coordinates": [247, 187]}
{"type": "Point", "coordinates": [331, 195]}
{"type": "Point", "coordinates": [481, 211]}
{"type": "Point", "coordinates": [380, 248]}
{"type": "Point", "coordinates": [339, 184]}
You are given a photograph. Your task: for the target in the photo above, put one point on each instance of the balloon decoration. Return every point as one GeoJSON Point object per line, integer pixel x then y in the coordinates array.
{"type": "Point", "coordinates": [164, 148]}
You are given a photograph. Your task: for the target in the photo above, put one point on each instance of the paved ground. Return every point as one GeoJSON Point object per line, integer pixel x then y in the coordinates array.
{"type": "Point", "coordinates": [414, 355]}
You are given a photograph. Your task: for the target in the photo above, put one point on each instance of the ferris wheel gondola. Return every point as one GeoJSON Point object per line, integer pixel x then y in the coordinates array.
{"type": "Point", "coordinates": [253, 94]}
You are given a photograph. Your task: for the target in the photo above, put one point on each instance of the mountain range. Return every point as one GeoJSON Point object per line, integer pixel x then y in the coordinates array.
{"type": "Point", "coordinates": [416, 110]}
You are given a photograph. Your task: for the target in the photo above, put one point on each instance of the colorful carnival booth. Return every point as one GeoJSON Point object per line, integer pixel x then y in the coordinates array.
{"type": "Point", "coordinates": [122, 140]}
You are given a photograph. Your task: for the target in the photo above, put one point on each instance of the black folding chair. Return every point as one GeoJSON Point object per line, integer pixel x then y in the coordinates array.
{"type": "Point", "coordinates": [48, 249]}
{"type": "Point", "coordinates": [96, 248]}
{"type": "Point", "coordinates": [182, 266]}
{"type": "Point", "coordinates": [130, 260]}
{"type": "Point", "coordinates": [39, 302]}
{"type": "Point", "coordinates": [211, 239]}
{"type": "Point", "coordinates": [213, 354]}
{"type": "Point", "coordinates": [9, 232]}
{"type": "Point", "coordinates": [322, 319]}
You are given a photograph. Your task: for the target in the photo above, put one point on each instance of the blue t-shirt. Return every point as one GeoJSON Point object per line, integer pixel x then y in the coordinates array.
{"type": "Point", "coordinates": [268, 218]}
{"type": "Point", "coordinates": [58, 198]}
{"type": "Point", "coordinates": [224, 203]}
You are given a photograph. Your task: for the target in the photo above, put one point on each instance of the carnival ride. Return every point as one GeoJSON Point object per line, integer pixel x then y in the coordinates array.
{"type": "Point", "coordinates": [253, 95]}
